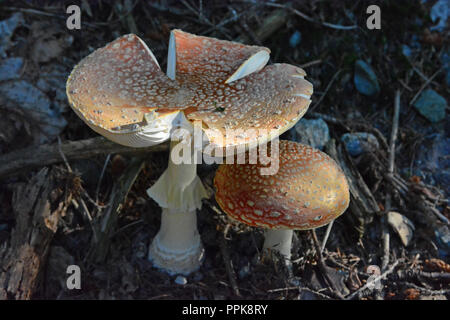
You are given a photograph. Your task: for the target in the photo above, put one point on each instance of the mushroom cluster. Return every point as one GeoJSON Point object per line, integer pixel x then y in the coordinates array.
{"type": "Point", "coordinates": [121, 93]}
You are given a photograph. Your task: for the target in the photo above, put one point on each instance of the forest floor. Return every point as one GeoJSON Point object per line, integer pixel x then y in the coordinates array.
{"type": "Point", "coordinates": [53, 209]}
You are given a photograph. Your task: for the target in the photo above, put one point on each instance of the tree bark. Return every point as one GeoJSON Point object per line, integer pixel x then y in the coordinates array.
{"type": "Point", "coordinates": [37, 206]}
{"type": "Point", "coordinates": [25, 159]}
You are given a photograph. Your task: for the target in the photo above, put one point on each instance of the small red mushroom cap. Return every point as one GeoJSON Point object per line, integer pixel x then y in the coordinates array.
{"type": "Point", "coordinates": [308, 191]}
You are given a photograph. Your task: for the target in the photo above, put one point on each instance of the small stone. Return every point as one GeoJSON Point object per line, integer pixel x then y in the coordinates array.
{"type": "Point", "coordinates": [406, 50]}
{"type": "Point", "coordinates": [359, 142]}
{"type": "Point", "coordinates": [431, 105]}
{"type": "Point", "coordinates": [402, 226]}
{"type": "Point", "coordinates": [181, 280]}
{"type": "Point", "coordinates": [365, 79]}
{"type": "Point", "coordinates": [295, 39]}
{"type": "Point", "coordinates": [314, 133]}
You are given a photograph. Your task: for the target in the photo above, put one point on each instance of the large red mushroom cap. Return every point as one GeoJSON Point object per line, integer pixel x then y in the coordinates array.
{"type": "Point", "coordinates": [120, 91]}
{"type": "Point", "coordinates": [308, 191]}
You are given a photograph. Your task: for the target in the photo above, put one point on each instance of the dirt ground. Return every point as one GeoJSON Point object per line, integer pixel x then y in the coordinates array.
{"type": "Point", "coordinates": [331, 36]}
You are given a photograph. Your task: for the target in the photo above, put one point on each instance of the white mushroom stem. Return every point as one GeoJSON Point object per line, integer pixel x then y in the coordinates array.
{"type": "Point", "coordinates": [178, 230]}
{"type": "Point", "coordinates": [177, 248]}
{"type": "Point", "coordinates": [279, 240]}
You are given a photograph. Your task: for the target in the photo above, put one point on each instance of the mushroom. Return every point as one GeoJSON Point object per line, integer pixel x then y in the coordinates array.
{"type": "Point", "coordinates": [308, 191]}
{"type": "Point", "coordinates": [121, 93]}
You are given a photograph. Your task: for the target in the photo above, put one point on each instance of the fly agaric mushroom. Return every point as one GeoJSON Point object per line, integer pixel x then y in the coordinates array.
{"type": "Point", "coordinates": [308, 191]}
{"type": "Point", "coordinates": [121, 93]}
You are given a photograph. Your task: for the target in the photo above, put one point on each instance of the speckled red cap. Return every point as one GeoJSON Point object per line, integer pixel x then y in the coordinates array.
{"type": "Point", "coordinates": [117, 86]}
{"type": "Point", "coordinates": [308, 191]}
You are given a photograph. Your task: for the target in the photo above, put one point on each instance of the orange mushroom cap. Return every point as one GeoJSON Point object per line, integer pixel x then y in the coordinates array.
{"type": "Point", "coordinates": [212, 60]}
{"type": "Point", "coordinates": [308, 191]}
{"type": "Point", "coordinates": [116, 87]}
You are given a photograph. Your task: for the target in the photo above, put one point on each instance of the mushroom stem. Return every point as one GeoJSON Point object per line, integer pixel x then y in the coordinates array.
{"type": "Point", "coordinates": [177, 248]}
{"type": "Point", "coordinates": [279, 240]}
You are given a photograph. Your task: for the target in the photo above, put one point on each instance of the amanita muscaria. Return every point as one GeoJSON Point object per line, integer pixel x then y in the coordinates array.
{"type": "Point", "coordinates": [308, 191]}
{"type": "Point", "coordinates": [121, 93]}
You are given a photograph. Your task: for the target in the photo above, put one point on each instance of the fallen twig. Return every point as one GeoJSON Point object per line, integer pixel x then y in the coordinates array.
{"type": "Point", "coordinates": [311, 63]}
{"type": "Point", "coordinates": [20, 161]}
{"type": "Point", "coordinates": [326, 90]}
{"type": "Point", "coordinates": [385, 236]}
{"type": "Point", "coordinates": [83, 204]}
{"type": "Point", "coordinates": [269, 26]}
{"type": "Point", "coordinates": [427, 82]}
{"type": "Point", "coordinates": [322, 266]}
{"type": "Point", "coordinates": [308, 18]}
{"type": "Point", "coordinates": [229, 266]}
{"type": "Point", "coordinates": [425, 290]}
{"type": "Point", "coordinates": [97, 190]}
{"type": "Point", "coordinates": [373, 281]}
{"type": "Point", "coordinates": [105, 225]}
{"type": "Point", "coordinates": [327, 234]}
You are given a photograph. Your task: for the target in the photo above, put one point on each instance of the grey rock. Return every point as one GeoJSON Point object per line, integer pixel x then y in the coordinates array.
{"type": "Point", "coordinates": [440, 13]}
{"type": "Point", "coordinates": [55, 83]}
{"type": "Point", "coordinates": [431, 105]}
{"type": "Point", "coordinates": [34, 105]}
{"type": "Point", "coordinates": [359, 142]}
{"type": "Point", "coordinates": [314, 133]}
{"type": "Point", "coordinates": [365, 79]}
{"type": "Point", "coordinates": [10, 68]}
